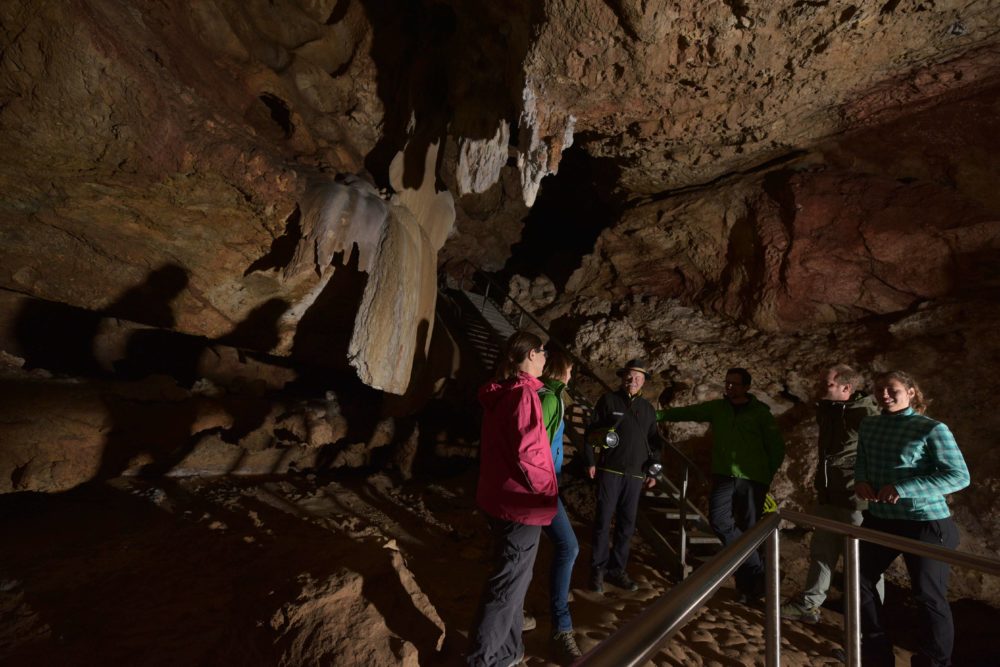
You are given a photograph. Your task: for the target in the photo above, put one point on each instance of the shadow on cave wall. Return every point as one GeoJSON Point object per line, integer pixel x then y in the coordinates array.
{"type": "Point", "coordinates": [162, 428]}
{"type": "Point", "coordinates": [60, 338]}
{"type": "Point", "coordinates": [154, 422]}
{"type": "Point", "coordinates": [743, 275]}
{"type": "Point", "coordinates": [324, 331]}
{"type": "Point", "coordinates": [282, 249]}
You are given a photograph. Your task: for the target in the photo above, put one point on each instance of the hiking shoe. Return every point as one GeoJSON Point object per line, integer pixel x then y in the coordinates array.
{"type": "Point", "coordinates": [529, 622]}
{"type": "Point", "coordinates": [795, 611]}
{"type": "Point", "coordinates": [518, 658]}
{"type": "Point", "coordinates": [597, 581]}
{"type": "Point", "coordinates": [621, 580]}
{"type": "Point", "coordinates": [565, 648]}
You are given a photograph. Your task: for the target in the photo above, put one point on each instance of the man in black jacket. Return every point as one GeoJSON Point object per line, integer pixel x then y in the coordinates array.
{"type": "Point", "coordinates": [841, 407]}
{"type": "Point", "coordinates": [620, 470]}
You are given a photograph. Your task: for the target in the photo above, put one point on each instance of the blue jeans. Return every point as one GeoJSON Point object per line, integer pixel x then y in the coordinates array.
{"type": "Point", "coordinates": [565, 550]}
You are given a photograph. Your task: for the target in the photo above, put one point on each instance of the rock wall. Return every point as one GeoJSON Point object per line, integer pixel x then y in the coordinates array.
{"type": "Point", "coordinates": [873, 223]}
{"type": "Point", "coordinates": [878, 250]}
{"type": "Point", "coordinates": [162, 164]}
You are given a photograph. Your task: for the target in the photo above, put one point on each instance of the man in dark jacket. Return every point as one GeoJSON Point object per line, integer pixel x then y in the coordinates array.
{"type": "Point", "coordinates": [620, 471]}
{"type": "Point", "coordinates": [838, 414]}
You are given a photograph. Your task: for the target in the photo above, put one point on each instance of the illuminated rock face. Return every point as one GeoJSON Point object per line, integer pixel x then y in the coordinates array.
{"type": "Point", "coordinates": [871, 223]}
{"type": "Point", "coordinates": [289, 177]}
{"type": "Point", "coordinates": [143, 138]}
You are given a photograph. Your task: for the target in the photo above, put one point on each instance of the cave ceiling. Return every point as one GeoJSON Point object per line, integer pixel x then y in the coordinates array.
{"type": "Point", "coordinates": [143, 136]}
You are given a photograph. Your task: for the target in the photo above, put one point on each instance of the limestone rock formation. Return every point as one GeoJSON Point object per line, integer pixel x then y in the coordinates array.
{"type": "Point", "coordinates": [205, 204]}
{"type": "Point", "coordinates": [396, 316]}
{"type": "Point", "coordinates": [678, 95]}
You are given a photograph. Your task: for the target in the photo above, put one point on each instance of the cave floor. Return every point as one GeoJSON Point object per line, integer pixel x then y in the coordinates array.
{"type": "Point", "coordinates": [305, 570]}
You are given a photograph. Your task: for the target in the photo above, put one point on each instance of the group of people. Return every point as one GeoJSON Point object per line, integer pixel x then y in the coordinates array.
{"type": "Point", "coordinates": [882, 464]}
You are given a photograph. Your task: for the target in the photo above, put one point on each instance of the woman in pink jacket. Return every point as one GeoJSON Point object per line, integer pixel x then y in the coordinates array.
{"type": "Point", "coordinates": [518, 492]}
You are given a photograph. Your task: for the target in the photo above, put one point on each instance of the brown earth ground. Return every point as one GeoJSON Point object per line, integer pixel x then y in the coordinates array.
{"type": "Point", "coordinates": [351, 570]}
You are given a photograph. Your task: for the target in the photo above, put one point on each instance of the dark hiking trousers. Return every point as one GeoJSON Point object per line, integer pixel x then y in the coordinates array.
{"type": "Point", "coordinates": [734, 506]}
{"type": "Point", "coordinates": [496, 639]}
{"type": "Point", "coordinates": [929, 580]}
{"type": "Point", "coordinates": [617, 496]}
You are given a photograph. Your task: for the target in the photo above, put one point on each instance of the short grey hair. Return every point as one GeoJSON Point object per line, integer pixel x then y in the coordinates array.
{"type": "Point", "coordinates": [847, 375]}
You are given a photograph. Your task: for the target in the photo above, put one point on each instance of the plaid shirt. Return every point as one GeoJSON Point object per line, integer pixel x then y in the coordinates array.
{"type": "Point", "coordinates": [917, 455]}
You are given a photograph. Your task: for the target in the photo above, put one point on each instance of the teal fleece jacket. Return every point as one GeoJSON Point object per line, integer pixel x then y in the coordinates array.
{"type": "Point", "coordinates": [746, 442]}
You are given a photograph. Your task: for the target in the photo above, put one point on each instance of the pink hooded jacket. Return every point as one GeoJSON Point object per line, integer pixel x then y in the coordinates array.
{"type": "Point", "coordinates": [517, 481]}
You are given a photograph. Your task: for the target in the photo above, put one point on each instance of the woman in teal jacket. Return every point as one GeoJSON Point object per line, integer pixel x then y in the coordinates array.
{"type": "Point", "coordinates": [907, 463]}
{"type": "Point", "coordinates": [558, 371]}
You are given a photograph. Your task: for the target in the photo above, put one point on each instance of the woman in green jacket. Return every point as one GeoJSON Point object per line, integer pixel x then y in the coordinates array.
{"type": "Point", "coordinates": [558, 371]}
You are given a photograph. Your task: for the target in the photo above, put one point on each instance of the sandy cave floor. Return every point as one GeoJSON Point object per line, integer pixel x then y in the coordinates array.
{"type": "Point", "coordinates": [334, 570]}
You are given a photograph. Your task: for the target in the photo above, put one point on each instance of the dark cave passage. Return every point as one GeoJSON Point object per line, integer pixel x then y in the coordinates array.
{"type": "Point", "coordinates": [572, 208]}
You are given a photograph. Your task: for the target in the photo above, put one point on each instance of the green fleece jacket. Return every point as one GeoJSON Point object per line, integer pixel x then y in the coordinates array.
{"type": "Point", "coordinates": [746, 442]}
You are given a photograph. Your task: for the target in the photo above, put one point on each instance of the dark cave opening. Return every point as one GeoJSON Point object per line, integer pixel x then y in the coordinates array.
{"type": "Point", "coordinates": [280, 113]}
{"type": "Point", "coordinates": [572, 208]}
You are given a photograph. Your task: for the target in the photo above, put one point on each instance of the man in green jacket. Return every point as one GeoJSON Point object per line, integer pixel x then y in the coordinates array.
{"type": "Point", "coordinates": [747, 449]}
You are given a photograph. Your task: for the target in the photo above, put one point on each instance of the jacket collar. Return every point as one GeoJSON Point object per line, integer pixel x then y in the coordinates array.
{"type": "Point", "coordinates": [555, 386]}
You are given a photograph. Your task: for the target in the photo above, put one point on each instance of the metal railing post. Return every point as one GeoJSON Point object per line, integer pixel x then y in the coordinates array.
{"type": "Point", "coordinates": [682, 521]}
{"type": "Point", "coordinates": [772, 622]}
{"type": "Point", "coordinates": [852, 605]}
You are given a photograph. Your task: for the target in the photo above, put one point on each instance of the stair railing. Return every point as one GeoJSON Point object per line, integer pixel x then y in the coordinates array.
{"type": "Point", "coordinates": [491, 283]}
{"type": "Point", "coordinates": [637, 641]}
{"type": "Point", "coordinates": [687, 465]}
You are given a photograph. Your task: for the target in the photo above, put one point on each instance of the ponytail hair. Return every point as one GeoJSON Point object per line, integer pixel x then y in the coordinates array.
{"type": "Point", "coordinates": [918, 402]}
{"type": "Point", "coordinates": [514, 352]}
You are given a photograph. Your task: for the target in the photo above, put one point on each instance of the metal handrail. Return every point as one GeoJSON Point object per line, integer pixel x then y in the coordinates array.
{"type": "Point", "coordinates": [525, 312]}
{"type": "Point", "coordinates": [641, 637]}
{"type": "Point", "coordinates": [944, 554]}
{"type": "Point", "coordinates": [852, 534]}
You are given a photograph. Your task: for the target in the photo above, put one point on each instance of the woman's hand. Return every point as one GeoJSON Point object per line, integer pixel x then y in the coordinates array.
{"type": "Point", "coordinates": [865, 491]}
{"type": "Point", "coordinates": [650, 482]}
{"type": "Point", "coordinates": [592, 471]}
{"type": "Point", "coordinates": [888, 494]}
